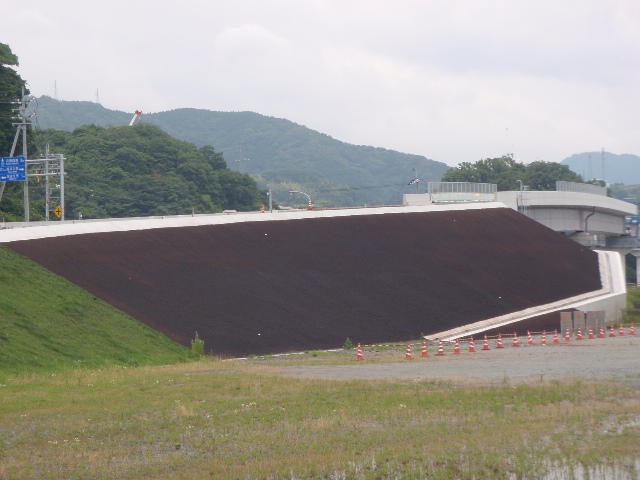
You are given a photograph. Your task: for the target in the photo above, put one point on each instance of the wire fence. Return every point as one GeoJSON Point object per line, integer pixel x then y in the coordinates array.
{"type": "Point", "coordinates": [461, 192]}
{"type": "Point", "coordinates": [461, 187]}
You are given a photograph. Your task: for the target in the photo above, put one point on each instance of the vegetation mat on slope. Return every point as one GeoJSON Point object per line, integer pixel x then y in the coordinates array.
{"type": "Point", "coordinates": [266, 287]}
{"type": "Point", "coordinates": [47, 323]}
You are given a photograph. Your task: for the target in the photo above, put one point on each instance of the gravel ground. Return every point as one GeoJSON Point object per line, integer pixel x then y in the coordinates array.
{"type": "Point", "coordinates": [612, 357]}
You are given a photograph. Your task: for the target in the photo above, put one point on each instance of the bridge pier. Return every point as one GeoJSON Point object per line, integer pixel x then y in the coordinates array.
{"type": "Point", "coordinates": [636, 253]}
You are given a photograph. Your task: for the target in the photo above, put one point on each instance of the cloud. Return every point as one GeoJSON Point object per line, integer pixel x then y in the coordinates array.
{"type": "Point", "coordinates": [454, 81]}
{"type": "Point", "coordinates": [248, 43]}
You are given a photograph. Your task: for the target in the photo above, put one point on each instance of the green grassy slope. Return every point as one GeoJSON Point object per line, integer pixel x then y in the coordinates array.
{"type": "Point", "coordinates": [48, 324]}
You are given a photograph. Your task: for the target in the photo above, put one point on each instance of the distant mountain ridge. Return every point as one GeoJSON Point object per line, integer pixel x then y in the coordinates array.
{"type": "Point", "coordinates": [624, 168]}
{"type": "Point", "coordinates": [279, 154]}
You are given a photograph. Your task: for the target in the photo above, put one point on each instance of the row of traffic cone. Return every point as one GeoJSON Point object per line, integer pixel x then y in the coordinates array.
{"type": "Point", "coordinates": [408, 355]}
{"type": "Point", "coordinates": [516, 343]}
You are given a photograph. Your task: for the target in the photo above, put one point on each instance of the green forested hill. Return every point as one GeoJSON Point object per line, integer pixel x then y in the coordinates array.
{"type": "Point", "coordinates": [278, 153]}
{"type": "Point", "coordinates": [136, 171]}
{"type": "Point", "coordinates": [67, 115]}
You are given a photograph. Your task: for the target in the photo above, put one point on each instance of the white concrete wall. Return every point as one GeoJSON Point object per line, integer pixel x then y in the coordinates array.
{"type": "Point", "coordinates": [413, 199]}
{"type": "Point", "coordinates": [614, 303]}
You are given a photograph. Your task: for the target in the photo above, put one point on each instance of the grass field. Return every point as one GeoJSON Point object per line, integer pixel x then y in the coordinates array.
{"type": "Point", "coordinates": [242, 419]}
{"type": "Point", "coordinates": [48, 324]}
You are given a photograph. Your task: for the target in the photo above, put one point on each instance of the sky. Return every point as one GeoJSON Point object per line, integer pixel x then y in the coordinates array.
{"type": "Point", "coordinates": [453, 80]}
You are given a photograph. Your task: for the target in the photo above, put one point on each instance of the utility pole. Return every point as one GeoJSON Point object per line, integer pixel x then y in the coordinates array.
{"type": "Point", "coordinates": [21, 127]}
{"type": "Point", "coordinates": [49, 165]}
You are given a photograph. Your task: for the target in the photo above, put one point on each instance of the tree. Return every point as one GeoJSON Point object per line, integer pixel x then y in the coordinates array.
{"type": "Point", "coordinates": [10, 92]}
{"type": "Point", "coordinates": [503, 171]}
{"type": "Point", "coordinates": [11, 86]}
{"type": "Point", "coordinates": [7, 57]}
{"type": "Point", "coordinates": [543, 175]}
{"type": "Point", "coordinates": [213, 158]}
{"type": "Point", "coordinates": [142, 170]}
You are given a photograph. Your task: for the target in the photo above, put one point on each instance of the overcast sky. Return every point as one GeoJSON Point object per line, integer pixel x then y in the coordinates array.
{"type": "Point", "coordinates": [453, 80]}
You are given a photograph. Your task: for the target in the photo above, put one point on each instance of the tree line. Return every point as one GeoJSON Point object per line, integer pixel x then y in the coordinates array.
{"type": "Point", "coordinates": [505, 172]}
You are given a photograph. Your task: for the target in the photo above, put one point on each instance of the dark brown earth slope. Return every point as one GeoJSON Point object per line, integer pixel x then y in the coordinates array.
{"type": "Point", "coordinates": [261, 287]}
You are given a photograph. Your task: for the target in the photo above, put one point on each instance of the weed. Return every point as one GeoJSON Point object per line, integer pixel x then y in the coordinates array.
{"type": "Point", "coordinates": [197, 346]}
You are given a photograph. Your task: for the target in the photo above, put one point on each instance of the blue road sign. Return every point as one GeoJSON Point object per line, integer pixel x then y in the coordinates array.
{"type": "Point", "coordinates": [13, 169]}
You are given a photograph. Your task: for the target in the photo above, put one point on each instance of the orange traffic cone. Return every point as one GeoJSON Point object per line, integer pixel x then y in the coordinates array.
{"type": "Point", "coordinates": [621, 331]}
{"type": "Point", "coordinates": [408, 355]}
{"type": "Point", "coordinates": [486, 343]}
{"type": "Point", "coordinates": [579, 336]}
{"type": "Point", "coordinates": [529, 338]}
{"type": "Point", "coordinates": [611, 332]}
{"type": "Point", "coordinates": [500, 342]}
{"type": "Point", "coordinates": [591, 333]}
{"type": "Point", "coordinates": [515, 340]}
{"type": "Point", "coordinates": [424, 349]}
{"type": "Point", "coordinates": [360, 356]}
{"type": "Point", "coordinates": [567, 336]}
{"type": "Point", "coordinates": [543, 341]}
{"type": "Point", "coordinates": [555, 336]}
{"type": "Point", "coordinates": [601, 335]}
{"type": "Point", "coordinates": [456, 349]}
{"type": "Point", "coordinates": [263, 208]}
{"type": "Point", "coordinates": [472, 345]}
{"type": "Point", "coordinates": [440, 349]}
{"type": "Point", "coordinates": [632, 330]}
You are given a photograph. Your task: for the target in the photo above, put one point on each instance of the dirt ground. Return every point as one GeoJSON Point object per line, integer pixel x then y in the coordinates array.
{"type": "Point", "coordinates": [598, 359]}
{"type": "Point", "coordinates": [270, 287]}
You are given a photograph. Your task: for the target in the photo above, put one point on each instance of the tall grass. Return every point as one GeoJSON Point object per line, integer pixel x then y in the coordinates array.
{"type": "Point", "coordinates": [242, 420]}
{"type": "Point", "coordinates": [48, 324]}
